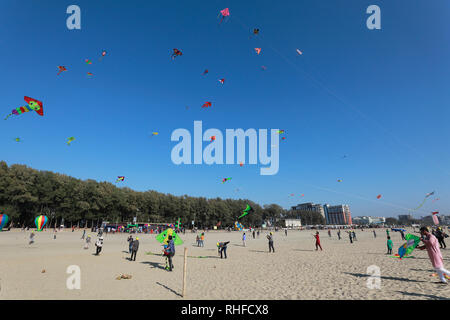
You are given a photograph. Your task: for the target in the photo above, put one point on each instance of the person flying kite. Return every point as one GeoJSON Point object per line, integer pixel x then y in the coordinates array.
{"type": "Point", "coordinates": [33, 104]}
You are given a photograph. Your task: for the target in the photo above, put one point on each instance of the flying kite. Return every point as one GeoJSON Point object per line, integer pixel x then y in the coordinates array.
{"type": "Point", "coordinates": [225, 180]}
{"type": "Point", "coordinates": [176, 53]}
{"type": "Point", "coordinates": [213, 138]}
{"type": "Point", "coordinates": [435, 218]}
{"type": "Point", "coordinates": [292, 194]}
{"type": "Point", "coordinates": [435, 200]}
{"type": "Point", "coordinates": [163, 237]}
{"type": "Point", "coordinates": [89, 74]}
{"type": "Point", "coordinates": [88, 61]}
{"type": "Point", "coordinates": [263, 68]}
{"type": "Point", "coordinates": [225, 13]}
{"type": "Point", "coordinates": [33, 104]}
{"type": "Point", "coordinates": [155, 133]}
{"type": "Point", "coordinates": [424, 200]}
{"type": "Point", "coordinates": [379, 196]}
{"type": "Point", "coordinates": [280, 131]}
{"type": "Point", "coordinates": [205, 72]}
{"type": "Point", "coordinates": [3, 220]}
{"type": "Point", "coordinates": [284, 138]}
{"type": "Point", "coordinates": [255, 31]}
{"type": "Point", "coordinates": [258, 50]}
{"type": "Point", "coordinates": [207, 104]}
{"type": "Point", "coordinates": [339, 180]}
{"type": "Point", "coordinates": [241, 164]}
{"type": "Point", "coordinates": [17, 140]}
{"type": "Point", "coordinates": [120, 178]}
{"type": "Point", "coordinates": [103, 54]}
{"type": "Point", "coordinates": [409, 246]}
{"type": "Point", "coordinates": [40, 222]}
{"type": "Point", "coordinates": [69, 140]}
{"type": "Point", "coordinates": [246, 211]}
{"type": "Point", "coordinates": [61, 69]}
{"type": "Point", "coordinates": [238, 226]}
{"type": "Point", "coordinates": [299, 52]}
{"type": "Point", "coordinates": [221, 81]}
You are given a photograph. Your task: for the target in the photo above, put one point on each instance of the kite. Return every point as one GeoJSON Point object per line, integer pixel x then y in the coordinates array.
{"type": "Point", "coordinates": [213, 138]}
{"type": "Point", "coordinates": [178, 225]}
{"type": "Point", "coordinates": [207, 104]}
{"type": "Point", "coordinates": [435, 200]}
{"type": "Point", "coordinates": [176, 53]}
{"type": "Point", "coordinates": [379, 196]}
{"type": "Point", "coordinates": [339, 180]}
{"type": "Point", "coordinates": [280, 131]}
{"type": "Point", "coordinates": [408, 247]}
{"type": "Point", "coordinates": [238, 226]}
{"type": "Point", "coordinates": [61, 69]}
{"type": "Point", "coordinates": [205, 72]}
{"type": "Point", "coordinates": [88, 61]}
{"type": "Point", "coordinates": [89, 74]}
{"type": "Point", "coordinates": [241, 164]}
{"type": "Point", "coordinates": [120, 178]}
{"type": "Point", "coordinates": [299, 52]}
{"type": "Point", "coordinates": [258, 50]}
{"type": "Point", "coordinates": [17, 140]}
{"type": "Point", "coordinates": [225, 13]}
{"type": "Point", "coordinates": [263, 68]}
{"type": "Point", "coordinates": [292, 194]}
{"type": "Point", "coordinates": [284, 138]}
{"type": "Point", "coordinates": [246, 211]}
{"type": "Point", "coordinates": [155, 133]}
{"type": "Point", "coordinates": [424, 200]}
{"type": "Point", "coordinates": [302, 195]}
{"type": "Point", "coordinates": [255, 31]}
{"type": "Point", "coordinates": [40, 222]}
{"type": "Point", "coordinates": [103, 54]}
{"type": "Point", "coordinates": [221, 81]}
{"type": "Point", "coordinates": [3, 220]}
{"type": "Point", "coordinates": [33, 104]}
{"type": "Point", "coordinates": [163, 237]}
{"type": "Point", "coordinates": [435, 218]}
{"type": "Point", "coordinates": [225, 180]}
{"type": "Point", "coordinates": [69, 140]}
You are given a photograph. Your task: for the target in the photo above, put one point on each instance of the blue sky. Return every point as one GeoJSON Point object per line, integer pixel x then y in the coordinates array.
{"type": "Point", "coordinates": [378, 97]}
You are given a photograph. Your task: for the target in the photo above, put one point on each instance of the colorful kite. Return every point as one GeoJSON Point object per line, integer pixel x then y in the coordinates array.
{"type": "Point", "coordinates": [89, 74]}
{"type": "Point", "coordinates": [221, 81]}
{"type": "Point", "coordinates": [435, 200]}
{"type": "Point", "coordinates": [207, 104]}
{"type": "Point", "coordinates": [238, 226]}
{"type": "Point", "coordinates": [61, 69]}
{"type": "Point", "coordinates": [225, 13]}
{"type": "Point", "coordinates": [424, 200]}
{"type": "Point", "coordinates": [178, 225]}
{"type": "Point", "coordinates": [163, 237]}
{"type": "Point", "coordinates": [258, 50]}
{"type": "Point", "coordinates": [155, 133]}
{"type": "Point", "coordinates": [103, 54]}
{"type": "Point", "coordinates": [241, 164]}
{"type": "Point", "coordinates": [339, 180]}
{"type": "Point", "coordinates": [299, 52]}
{"type": "Point", "coordinates": [246, 211]}
{"type": "Point", "coordinates": [88, 61]}
{"type": "Point", "coordinates": [284, 138]}
{"type": "Point", "coordinates": [120, 178]}
{"type": "Point", "coordinates": [379, 196]}
{"type": "Point", "coordinates": [435, 218]}
{"type": "Point", "coordinates": [33, 104]}
{"type": "Point", "coordinates": [205, 72]}
{"type": "Point", "coordinates": [3, 220]}
{"type": "Point", "coordinates": [225, 180]}
{"type": "Point", "coordinates": [406, 249]}
{"type": "Point", "coordinates": [40, 222]}
{"type": "Point", "coordinates": [69, 140]}
{"type": "Point", "coordinates": [280, 131]}
{"type": "Point", "coordinates": [255, 31]}
{"type": "Point", "coordinates": [176, 53]}
{"type": "Point", "coordinates": [213, 138]}
{"type": "Point", "coordinates": [17, 140]}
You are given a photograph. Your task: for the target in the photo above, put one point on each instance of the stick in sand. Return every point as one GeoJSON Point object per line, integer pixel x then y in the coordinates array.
{"type": "Point", "coordinates": [184, 272]}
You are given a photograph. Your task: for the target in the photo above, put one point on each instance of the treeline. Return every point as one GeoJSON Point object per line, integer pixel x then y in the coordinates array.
{"type": "Point", "coordinates": [26, 193]}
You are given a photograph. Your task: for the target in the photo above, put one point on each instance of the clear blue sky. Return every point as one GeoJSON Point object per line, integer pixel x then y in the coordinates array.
{"type": "Point", "coordinates": [378, 97]}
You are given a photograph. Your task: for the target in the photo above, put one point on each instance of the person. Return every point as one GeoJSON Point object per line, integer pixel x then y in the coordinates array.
{"type": "Point", "coordinates": [354, 235]}
{"type": "Point", "coordinates": [387, 232]}
{"type": "Point", "coordinates": [99, 245]}
{"type": "Point", "coordinates": [222, 248]}
{"type": "Point", "coordinates": [270, 238]}
{"type": "Point", "coordinates": [257, 233]}
{"type": "Point", "coordinates": [84, 233]}
{"type": "Point", "coordinates": [329, 233]}
{"type": "Point", "coordinates": [318, 241]}
{"type": "Point", "coordinates": [88, 242]}
{"type": "Point", "coordinates": [374, 234]}
{"type": "Point", "coordinates": [243, 238]}
{"type": "Point", "coordinates": [390, 244]}
{"type": "Point", "coordinates": [54, 234]}
{"type": "Point", "coordinates": [350, 235]}
{"type": "Point", "coordinates": [434, 253]}
{"type": "Point", "coordinates": [198, 241]}
{"type": "Point", "coordinates": [130, 243]}
{"type": "Point", "coordinates": [253, 233]}
{"type": "Point", "coordinates": [31, 238]}
{"type": "Point", "coordinates": [440, 237]}
{"type": "Point", "coordinates": [171, 251]}
{"type": "Point", "coordinates": [134, 249]}
{"type": "Point", "coordinates": [202, 239]}
{"type": "Point", "coordinates": [285, 232]}
{"type": "Point", "coordinates": [402, 234]}
{"type": "Point", "coordinates": [339, 234]}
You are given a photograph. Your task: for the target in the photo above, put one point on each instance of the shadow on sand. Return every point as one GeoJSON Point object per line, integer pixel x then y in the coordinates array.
{"type": "Point", "coordinates": [154, 264]}
{"type": "Point", "coordinates": [171, 290]}
{"type": "Point", "coordinates": [429, 296]}
{"type": "Point", "coordinates": [362, 275]}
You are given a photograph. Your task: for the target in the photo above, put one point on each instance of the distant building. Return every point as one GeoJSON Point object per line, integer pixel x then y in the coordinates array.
{"type": "Point", "coordinates": [364, 220]}
{"type": "Point", "coordinates": [339, 215]}
{"type": "Point", "coordinates": [405, 218]}
{"type": "Point", "coordinates": [309, 206]}
{"type": "Point", "coordinates": [293, 223]}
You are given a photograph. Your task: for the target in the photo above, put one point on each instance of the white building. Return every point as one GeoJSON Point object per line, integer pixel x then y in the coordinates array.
{"type": "Point", "coordinates": [293, 223]}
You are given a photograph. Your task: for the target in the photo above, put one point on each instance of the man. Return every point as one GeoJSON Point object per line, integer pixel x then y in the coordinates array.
{"type": "Point", "coordinates": [339, 234]}
{"type": "Point", "coordinates": [253, 233]}
{"type": "Point", "coordinates": [134, 249]}
{"type": "Point", "coordinates": [84, 233]}
{"type": "Point", "coordinates": [222, 248]}
{"type": "Point", "coordinates": [99, 245]}
{"type": "Point", "coordinates": [402, 234]}
{"type": "Point", "coordinates": [434, 253]}
{"type": "Point", "coordinates": [270, 238]}
{"type": "Point", "coordinates": [171, 250]}
{"type": "Point", "coordinates": [440, 237]}
{"type": "Point", "coordinates": [130, 243]}
{"type": "Point", "coordinates": [374, 234]}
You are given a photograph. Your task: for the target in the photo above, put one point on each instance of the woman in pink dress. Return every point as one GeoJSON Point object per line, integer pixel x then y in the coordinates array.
{"type": "Point", "coordinates": [432, 246]}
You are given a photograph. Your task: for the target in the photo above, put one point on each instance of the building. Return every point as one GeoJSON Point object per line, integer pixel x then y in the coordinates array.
{"type": "Point", "coordinates": [293, 223]}
{"type": "Point", "coordinates": [309, 206]}
{"type": "Point", "coordinates": [339, 215]}
{"type": "Point", "coordinates": [405, 218]}
{"type": "Point", "coordinates": [365, 220]}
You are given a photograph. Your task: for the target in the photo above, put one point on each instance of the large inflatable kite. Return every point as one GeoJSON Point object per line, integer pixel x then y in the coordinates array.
{"type": "Point", "coordinates": [163, 237]}
{"type": "Point", "coordinates": [33, 104]}
{"type": "Point", "coordinates": [408, 247]}
{"type": "Point", "coordinates": [3, 220]}
{"type": "Point", "coordinates": [238, 226]}
{"type": "Point", "coordinates": [40, 222]}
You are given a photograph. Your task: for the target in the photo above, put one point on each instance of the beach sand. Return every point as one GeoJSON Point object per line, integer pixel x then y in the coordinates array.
{"type": "Point", "coordinates": [294, 272]}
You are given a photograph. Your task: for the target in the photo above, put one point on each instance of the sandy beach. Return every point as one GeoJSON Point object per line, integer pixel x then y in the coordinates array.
{"type": "Point", "coordinates": [294, 272]}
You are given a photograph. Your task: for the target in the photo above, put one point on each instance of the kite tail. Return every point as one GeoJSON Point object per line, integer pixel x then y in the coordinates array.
{"type": "Point", "coordinates": [9, 115]}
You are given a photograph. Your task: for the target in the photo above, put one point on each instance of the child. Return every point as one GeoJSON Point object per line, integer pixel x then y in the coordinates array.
{"type": "Point", "coordinates": [243, 238]}
{"type": "Point", "coordinates": [389, 245]}
{"type": "Point", "coordinates": [318, 241]}
{"type": "Point", "coordinates": [31, 238]}
{"type": "Point", "coordinates": [99, 245]}
{"type": "Point", "coordinates": [202, 239]}
{"type": "Point", "coordinates": [88, 242]}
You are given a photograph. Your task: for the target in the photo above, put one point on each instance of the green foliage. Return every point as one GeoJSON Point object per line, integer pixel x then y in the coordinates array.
{"type": "Point", "coordinates": [26, 193]}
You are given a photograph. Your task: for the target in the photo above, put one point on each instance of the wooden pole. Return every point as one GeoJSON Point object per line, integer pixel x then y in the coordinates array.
{"type": "Point", "coordinates": [184, 272]}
